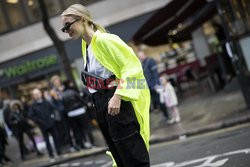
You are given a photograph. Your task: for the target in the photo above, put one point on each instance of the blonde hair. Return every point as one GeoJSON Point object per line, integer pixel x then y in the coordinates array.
{"type": "Point", "coordinates": [53, 78]}
{"type": "Point", "coordinates": [80, 11]}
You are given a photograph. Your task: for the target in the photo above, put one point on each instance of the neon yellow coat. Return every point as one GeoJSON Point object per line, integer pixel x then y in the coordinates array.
{"type": "Point", "coordinates": [119, 58]}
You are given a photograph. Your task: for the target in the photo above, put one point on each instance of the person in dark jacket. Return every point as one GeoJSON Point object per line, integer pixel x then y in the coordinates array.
{"type": "Point", "coordinates": [19, 125]}
{"type": "Point", "coordinates": [61, 122]}
{"type": "Point", "coordinates": [152, 77]}
{"type": "Point", "coordinates": [42, 113]}
{"type": "Point", "coordinates": [57, 88]}
{"type": "Point", "coordinates": [77, 113]}
{"type": "Point", "coordinates": [3, 143]}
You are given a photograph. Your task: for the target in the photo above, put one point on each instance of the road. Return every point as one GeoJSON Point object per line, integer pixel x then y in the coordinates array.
{"type": "Point", "coordinates": [228, 148]}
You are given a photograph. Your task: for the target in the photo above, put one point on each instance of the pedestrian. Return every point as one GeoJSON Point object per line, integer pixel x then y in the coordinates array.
{"type": "Point", "coordinates": [3, 142]}
{"type": "Point", "coordinates": [57, 91]}
{"type": "Point", "coordinates": [42, 113]}
{"type": "Point", "coordinates": [26, 106]}
{"type": "Point", "coordinates": [77, 113]}
{"type": "Point", "coordinates": [19, 125]}
{"type": "Point", "coordinates": [163, 107]}
{"type": "Point", "coordinates": [122, 111]}
{"type": "Point", "coordinates": [171, 100]}
{"type": "Point", "coordinates": [152, 76]}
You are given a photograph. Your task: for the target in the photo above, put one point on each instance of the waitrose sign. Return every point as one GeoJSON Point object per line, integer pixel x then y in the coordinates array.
{"type": "Point", "coordinates": [28, 66]}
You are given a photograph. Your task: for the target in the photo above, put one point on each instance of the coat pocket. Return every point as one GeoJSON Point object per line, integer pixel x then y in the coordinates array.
{"type": "Point", "coordinates": [124, 124]}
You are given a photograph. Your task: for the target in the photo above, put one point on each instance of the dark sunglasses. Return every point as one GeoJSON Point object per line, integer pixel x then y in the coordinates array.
{"type": "Point", "coordinates": [66, 27]}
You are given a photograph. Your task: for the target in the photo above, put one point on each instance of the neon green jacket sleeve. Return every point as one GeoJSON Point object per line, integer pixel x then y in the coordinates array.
{"type": "Point", "coordinates": [124, 63]}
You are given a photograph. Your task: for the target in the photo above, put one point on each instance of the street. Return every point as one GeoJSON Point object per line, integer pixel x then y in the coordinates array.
{"type": "Point", "coordinates": [228, 147]}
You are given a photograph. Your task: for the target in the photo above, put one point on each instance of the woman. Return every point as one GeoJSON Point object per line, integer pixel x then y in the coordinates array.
{"type": "Point", "coordinates": [19, 126]}
{"type": "Point", "coordinates": [122, 111]}
{"type": "Point", "coordinates": [3, 143]}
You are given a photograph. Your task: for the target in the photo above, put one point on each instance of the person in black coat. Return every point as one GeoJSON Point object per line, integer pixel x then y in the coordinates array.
{"type": "Point", "coordinates": [19, 125]}
{"type": "Point", "coordinates": [42, 113]}
{"type": "Point", "coordinates": [77, 113]}
{"type": "Point", "coordinates": [3, 143]}
{"type": "Point", "coordinates": [61, 122]}
{"type": "Point", "coordinates": [153, 79]}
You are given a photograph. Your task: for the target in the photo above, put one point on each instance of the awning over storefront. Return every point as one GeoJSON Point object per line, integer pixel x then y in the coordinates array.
{"type": "Point", "coordinates": [175, 22]}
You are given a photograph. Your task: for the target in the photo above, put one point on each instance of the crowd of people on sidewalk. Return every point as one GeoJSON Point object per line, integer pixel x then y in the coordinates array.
{"type": "Point", "coordinates": [66, 116]}
{"type": "Point", "coordinates": [59, 112]}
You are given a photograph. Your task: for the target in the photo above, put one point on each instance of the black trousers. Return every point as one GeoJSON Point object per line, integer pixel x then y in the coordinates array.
{"type": "Point", "coordinates": [121, 132]}
{"type": "Point", "coordinates": [18, 132]}
{"type": "Point", "coordinates": [81, 129]}
{"type": "Point", "coordinates": [57, 142]}
{"type": "Point", "coordinates": [3, 156]}
{"type": "Point", "coordinates": [155, 98]}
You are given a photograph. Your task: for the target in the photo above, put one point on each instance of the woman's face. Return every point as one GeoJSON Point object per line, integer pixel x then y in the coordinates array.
{"type": "Point", "coordinates": [163, 80]}
{"type": "Point", "coordinates": [76, 29]}
{"type": "Point", "coordinates": [57, 83]}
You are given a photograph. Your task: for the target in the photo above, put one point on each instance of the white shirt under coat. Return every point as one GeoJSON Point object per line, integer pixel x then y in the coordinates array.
{"type": "Point", "coordinates": [96, 68]}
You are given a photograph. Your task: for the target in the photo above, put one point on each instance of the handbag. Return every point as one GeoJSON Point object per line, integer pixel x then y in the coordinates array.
{"type": "Point", "coordinates": [94, 81]}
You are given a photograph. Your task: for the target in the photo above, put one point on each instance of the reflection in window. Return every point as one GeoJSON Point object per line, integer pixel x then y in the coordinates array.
{"type": "Point", "coordinates": [53, 7]}
{"type": "Point", "coordinates": [15, 13]}
{"type": "Point", "coordinates": [237, 15]}
{"type": "Point", "coordinates": [3, 25]}
{"type": "Point", "coordinates": [241, 9]}
{"type": "Point", "coordinates": [228, 16]}
{"type": "Point", "coordinates": [32, 8]}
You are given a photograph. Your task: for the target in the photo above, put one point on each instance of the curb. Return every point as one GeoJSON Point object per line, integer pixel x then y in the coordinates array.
{"type": "Point", "coordinates": [210, 128]}
{"type": "Point", "coordinates": [101, 151]}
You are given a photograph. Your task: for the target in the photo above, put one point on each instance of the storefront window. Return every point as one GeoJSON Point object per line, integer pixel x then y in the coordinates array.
{"type": "Point", "coordinates": [241, 9]}
{"type": "Point", "coordinates": [15, 13]}
{"type": "Point", "coordinates": [3, 25]}
{"type": "Point", "coordinates": [53, 7]}
{"type": "Point", "coordinates": [33, 11]}
{"type": "Point", "coordinates": [237, 16]}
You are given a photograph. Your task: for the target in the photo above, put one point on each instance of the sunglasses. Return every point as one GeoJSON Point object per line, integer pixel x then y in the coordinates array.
{"type": "Point", "coordinates": [66, 27]}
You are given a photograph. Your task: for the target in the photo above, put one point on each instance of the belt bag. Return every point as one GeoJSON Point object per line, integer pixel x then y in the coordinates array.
{"type": "Point", "coordinates": [96, 82]}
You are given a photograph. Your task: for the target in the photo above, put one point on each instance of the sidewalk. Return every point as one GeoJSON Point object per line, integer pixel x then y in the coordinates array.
{"type": "Point", "coordinates": [200, 113]}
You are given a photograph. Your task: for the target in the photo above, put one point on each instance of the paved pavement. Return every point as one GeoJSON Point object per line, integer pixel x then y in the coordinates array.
{"type": "Point", "coordinates": [200, 112]}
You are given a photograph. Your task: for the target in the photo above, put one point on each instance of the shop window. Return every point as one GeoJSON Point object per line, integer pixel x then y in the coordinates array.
{"type": "Point", "coordinates": [3, 24]}
{"type": "Point", "coordinates": [53, 7]}
{"type": "Point", "coordinates": [242, 11]}
{"type": "Point", "coordinates": [15, 13]}
{"type": "Point", "coordinates": [237, 15]}
{"type": "Point", "coordinates": [33, 10]}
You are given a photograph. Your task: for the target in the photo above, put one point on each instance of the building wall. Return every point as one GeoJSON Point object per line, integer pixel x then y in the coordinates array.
{"type": "Point", "coordinates": [200, 44]}
{"type": "Point", "coordinates": [107, 13]}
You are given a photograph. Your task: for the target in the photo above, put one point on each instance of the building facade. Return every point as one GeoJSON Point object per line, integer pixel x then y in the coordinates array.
{"type": "Point", "coordinates": [28, 57]}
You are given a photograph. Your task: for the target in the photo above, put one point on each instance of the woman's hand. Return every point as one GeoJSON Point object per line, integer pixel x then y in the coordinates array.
{"type": "Point", "coordinates": [114, 105]}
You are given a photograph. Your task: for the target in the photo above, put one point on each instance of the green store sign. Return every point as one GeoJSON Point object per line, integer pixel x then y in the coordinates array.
{"type": "Point", "coordinates": [29, 66]}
